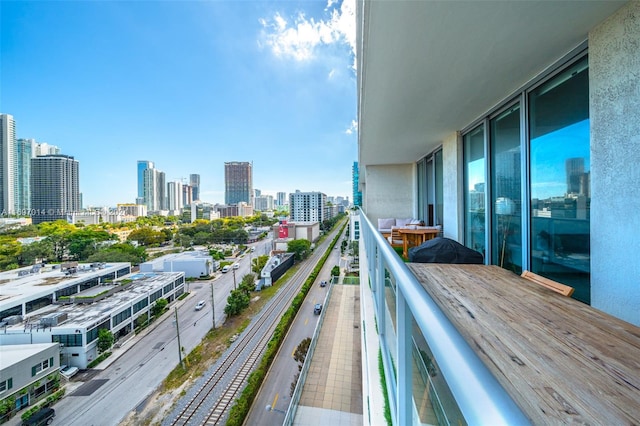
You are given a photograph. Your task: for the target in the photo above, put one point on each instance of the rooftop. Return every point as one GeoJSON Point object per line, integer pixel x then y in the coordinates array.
{"type": "Point", "coordinates": [31, 282]}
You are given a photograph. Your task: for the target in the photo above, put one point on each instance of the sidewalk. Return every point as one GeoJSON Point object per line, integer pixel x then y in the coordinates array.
{"type": "Point", "coordinates": [332, 393]}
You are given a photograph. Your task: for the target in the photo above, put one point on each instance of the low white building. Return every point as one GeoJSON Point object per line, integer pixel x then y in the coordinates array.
{"type": "Point", "coordinates": [194, 264]}
{"type": "Point", "coordinates": [28, 373]}
{"type": "Point", "coordinates": [70, 305]}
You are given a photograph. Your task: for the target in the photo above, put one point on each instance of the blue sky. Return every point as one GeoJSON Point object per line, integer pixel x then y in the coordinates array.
{"type": "Point", "coordinates": [187, 85]}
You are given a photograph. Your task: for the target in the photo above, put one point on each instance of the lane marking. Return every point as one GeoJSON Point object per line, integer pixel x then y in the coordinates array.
{"type": "Point", "coordinates": [274, 401]}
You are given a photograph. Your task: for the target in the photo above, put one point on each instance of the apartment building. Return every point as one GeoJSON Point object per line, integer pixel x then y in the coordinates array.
{"type": "Point", "coordinates": [307, 207]}
{"type": "Point", "coordinates": [55, 187]}
{"type": "Point", "coordinates": [238, 182]}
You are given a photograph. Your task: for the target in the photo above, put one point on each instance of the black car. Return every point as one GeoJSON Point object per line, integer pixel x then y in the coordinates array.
{"type": "Point", "coordinates": [40, 417]}
{"type": "Point", "coordinates": [317, 309]}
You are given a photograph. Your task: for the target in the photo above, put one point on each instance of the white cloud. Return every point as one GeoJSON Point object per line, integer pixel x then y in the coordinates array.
{"type": "Point", "coordinates": [300, 38]}
{"type": "Point", "coordinates": [353, 127]}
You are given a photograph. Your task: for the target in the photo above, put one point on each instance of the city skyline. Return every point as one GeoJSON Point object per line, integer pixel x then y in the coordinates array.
{"type": "Point", "coordinates": [111, 83]}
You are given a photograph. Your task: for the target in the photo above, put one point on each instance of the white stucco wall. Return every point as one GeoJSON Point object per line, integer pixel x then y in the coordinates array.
{"type": "Point", "coordinates": [452, 187]}
{"type": "Point", "coordinates": [614, 86]}
{"type": "Point", "coordinates": [390, 191]}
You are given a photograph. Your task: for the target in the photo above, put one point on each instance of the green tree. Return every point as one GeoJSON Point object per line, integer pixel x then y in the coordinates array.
{"type": "Point", "coordinates": [202, 238]}
{"type": "Point", "coordinates": [59, 233]}
{"type": "Point", "coordinates": [168, 234]}
{"type": "Point", "coordinates": [10, 251]}
{"type": "Point", "coordinates": [300, 249]}
{"type": "Point", "coordinates": [237, 301]}
{"type": "Point", "coordinates": [84, 242]}
{"type": "Point", "coordinates": [146, 236]}
{"type": "Point", "coordinates": [40, 251]}
{"type": "Point", "coordinates": [122, 252]}
{"type": "Point", "coordinates": [184, 240]}
{"type": "Point", "coordinates": [105, 340]}
{"type": "Point", "coordinates": [258, 263]}
{"type": "Point", "coordinates": [335, 271]}
{"type": "Point", "coordinates": [300, 353]}
{"type": "Point", "coordinates": [247, 284]}
{"type": "Point", "coordinates": [21, 232]}
{"type": "Point", "coordinates": [355, 248]}
{"type": "Point", "coordinates": [158, 308]}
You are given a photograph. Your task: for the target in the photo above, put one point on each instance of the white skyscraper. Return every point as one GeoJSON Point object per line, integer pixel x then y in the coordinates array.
{"type": "Point", "coordinates": [43, 149]}
{"type": "Point", "coordinates": [7, 164]}
{"type": "Point", "coordinates": [174, 195]}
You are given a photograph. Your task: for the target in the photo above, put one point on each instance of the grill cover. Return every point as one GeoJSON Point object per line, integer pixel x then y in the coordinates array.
{"type": "Point", "coordinates": [444, 250]}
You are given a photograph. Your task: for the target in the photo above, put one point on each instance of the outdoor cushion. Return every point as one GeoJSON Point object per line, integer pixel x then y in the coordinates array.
{"type": "Point", "coordinates": [403, 222]}
{"type": "Point", "coordinates": [386, 223]}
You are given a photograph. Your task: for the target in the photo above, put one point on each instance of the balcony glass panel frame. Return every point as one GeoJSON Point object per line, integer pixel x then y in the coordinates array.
{"type": "Point", "coordinates": [479, 397]}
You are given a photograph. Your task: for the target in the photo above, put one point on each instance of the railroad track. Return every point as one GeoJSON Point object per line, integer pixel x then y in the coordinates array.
{"type": "Point", "coordinates": [212, 401]}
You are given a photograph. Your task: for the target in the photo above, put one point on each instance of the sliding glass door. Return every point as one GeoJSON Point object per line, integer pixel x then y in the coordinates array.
{"type": "Point", "coordinates": [560, 177]}
{"type": "Point", "coordinates": [430, 189]}
{"type": "Point", "coordinates": [506, 190]}
{"type": "Point", "coordinates": [475, 190]}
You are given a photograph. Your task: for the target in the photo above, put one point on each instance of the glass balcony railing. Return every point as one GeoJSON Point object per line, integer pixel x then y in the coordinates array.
{"type": "Point", "coordinates": [432, 374]}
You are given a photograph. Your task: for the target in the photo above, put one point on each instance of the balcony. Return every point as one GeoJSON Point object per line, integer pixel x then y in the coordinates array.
{"type": "Point", "coordinates": [449, 357]}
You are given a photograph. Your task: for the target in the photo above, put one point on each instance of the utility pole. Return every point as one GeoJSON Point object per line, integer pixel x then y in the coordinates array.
{"type": "Point", "coordinates": [178, 332]}
{"type": "Point", "coordinates": [235, 286]}
{"type": "Point", "coordinates": [213, 307]}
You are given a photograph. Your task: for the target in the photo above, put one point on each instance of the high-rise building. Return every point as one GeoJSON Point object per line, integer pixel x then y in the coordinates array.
{"type": "Point", "coordinates": [44, 148]}
{"type": "Point", "coordinates": [307, 206]}
{"type": "Point", "coordinates": [187, 195]}
{"type": "Point", "coordinates": [238, 182]}
{"type": "Point", "coordinates": [194, 181]}
{"type": "Point", "coordinates": [264, 203]}
{"type": "Point", "coordinates": [54, 187]}
{"type": "Point", "coordinates": [281, 198]}
{"type": "Point", "coordinates": [152, 188]}
{"type": "Point", "coordinates": [162, 191]}
{"type": "Point", "coordinates": [355, 176]}
{"type": "Point", "coordinates": [7, 163]}
{"type": "Point", "coordinates": [142, 166]}
{"type": "Point", "coordinates": [174, 195]}
{"type": "Point", "coordinates": [23, 153]}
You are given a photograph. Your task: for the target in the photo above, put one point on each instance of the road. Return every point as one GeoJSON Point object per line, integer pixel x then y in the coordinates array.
{"type": "Point", "coordinates": [108, 395]}
{"type": "Point", "coordinates": [272, 401]}
{"type": "Point", "coordinates": [209, 401]}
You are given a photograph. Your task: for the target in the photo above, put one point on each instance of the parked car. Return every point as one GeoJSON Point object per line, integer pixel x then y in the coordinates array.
{"type": "Point", "coordinates": [68, 371]}
{"type": "Point", "coordinates": [317, 309]}
{"type": "Point", "coordinates": [41, 417]}
{"type": "Point", "coordinates": [200, 305]}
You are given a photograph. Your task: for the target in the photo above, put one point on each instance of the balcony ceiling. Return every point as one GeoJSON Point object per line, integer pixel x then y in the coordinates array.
{"type": "Point", "coordinates": [429, 68]}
